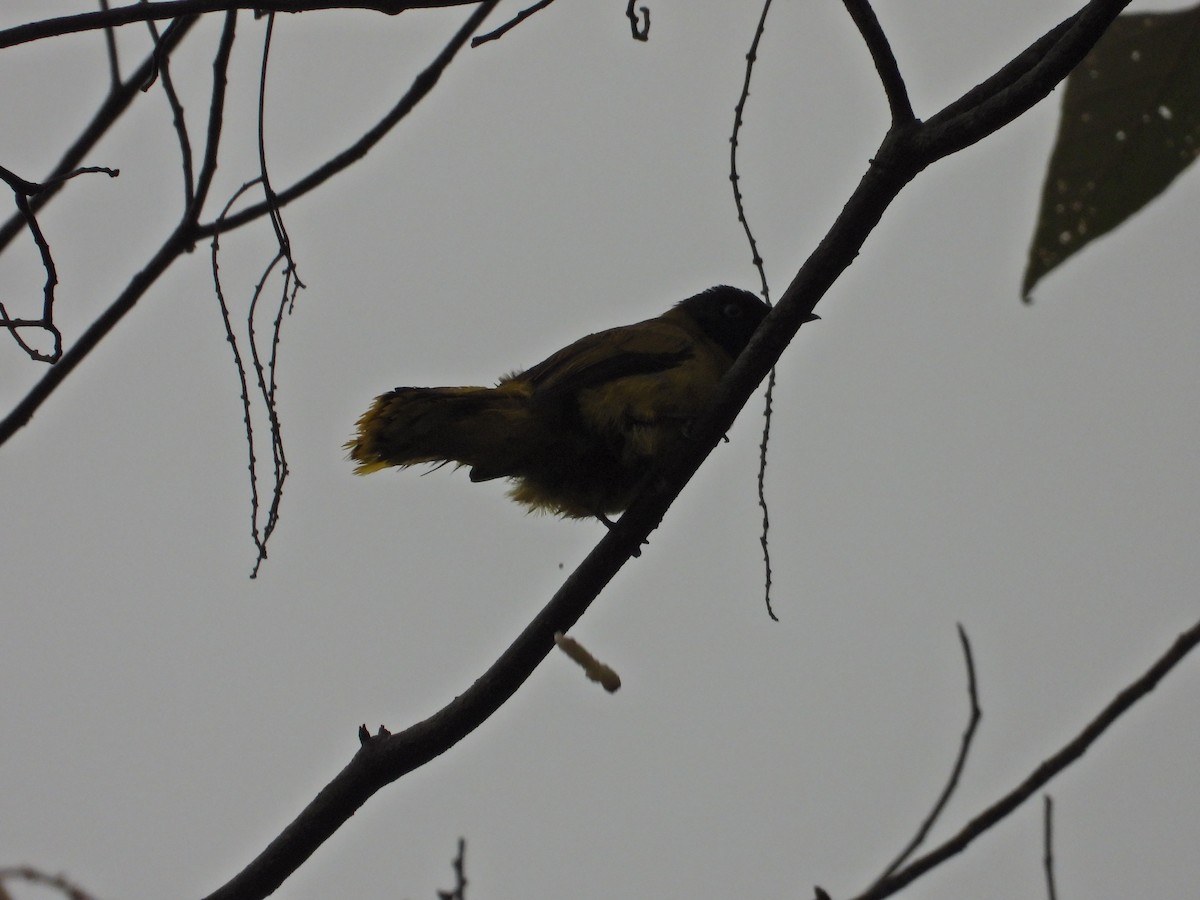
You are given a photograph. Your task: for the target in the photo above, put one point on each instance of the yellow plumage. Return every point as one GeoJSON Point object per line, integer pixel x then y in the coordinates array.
{"type": "Point", "coordinates": [579, 432]}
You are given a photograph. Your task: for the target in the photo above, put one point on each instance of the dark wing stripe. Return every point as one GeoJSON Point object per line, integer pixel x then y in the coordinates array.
{"type": "Point", "coordinates": [609, 369]}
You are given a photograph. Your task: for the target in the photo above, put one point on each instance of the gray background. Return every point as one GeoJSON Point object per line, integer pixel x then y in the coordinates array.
{"type": "Point", "coordinates": [941, 454]}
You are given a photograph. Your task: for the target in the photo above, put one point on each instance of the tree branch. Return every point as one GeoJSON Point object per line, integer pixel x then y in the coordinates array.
{"type": "Point", "coordinates": [960, 762]}
{"type": "Point", "coordinates": [1070, 752]}
{"type": "Point", "coordinates": [170, 9]}
{"type": "Point", "coordinates": [117, 101]}
{"type": "Point", "coordinates": [885, 61]}
{"type": "Point", "coordinates": [1048, 845]}
{"type": "Point", "coordinates": [1021, 84]}
{"type": "Point", "coordinates": [906, 149]}
{"type": "Point", "coordinates": [183, 238]}
{"type": "Point", "coordinates": [422, 85]}
{"type": "Point", "coordinates": [512, 23]}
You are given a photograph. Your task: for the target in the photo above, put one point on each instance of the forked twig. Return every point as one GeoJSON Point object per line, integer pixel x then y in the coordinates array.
{"type": "Point", "coordinates": [23, 192]}
{"type": "Point", "coordinates": [960, 762]}
{"type": "Point", "coordinates": [1035, 781]}
{"type": "Point", "coordinates": [885, 61]}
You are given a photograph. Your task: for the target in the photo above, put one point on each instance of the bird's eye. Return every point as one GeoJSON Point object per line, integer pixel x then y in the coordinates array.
{"type": "Point", "coordinates": [732, 311]}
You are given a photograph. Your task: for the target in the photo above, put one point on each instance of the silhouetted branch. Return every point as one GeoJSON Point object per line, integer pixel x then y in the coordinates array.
{"type": "Point", "coordinates": [110, 46]}
{"type": "Point", "coordinates": [383, 759]}
{"type": "Point", "coordinates": [885, 61]}
{"type": "Point", "coordinates": [960, 762]}
{"type": "Point", "coordinates": [460, 875]}
{"type": "Point", "coordinates": [1026, 80]}
{"type": "Point", "coordinates": [1070, 752]}
{"type": "Point", "coordinates": [265, 380]}
{"type": "Point", "coordinates": [757, 260]}
{"type": "Point", "coordinates": [510, 24]}
{"type": "Point", "coordinates": [23, 191]}
{"type": "Point", "coordinates": [421, 86]}
{"type": "Point", "coordinates": [639, 30]}
{"type": "Point", "coordinates": [388, 757]}
{"type": "Point", "coordinates": [1048, 845]}
{"type": "Point", "coordinates": [59, 883]}
{"type": "Point", "coordinates": [185, 235]}
{"type": "Point", "coordinates": [162, 69]}
{"type": "Point", "coordinates": [117, 101]}
{"type": "Point", "coordinates": [170, 9]}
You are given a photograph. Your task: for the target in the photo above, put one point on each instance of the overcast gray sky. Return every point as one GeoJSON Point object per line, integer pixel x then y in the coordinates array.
{"type": "Point", "coordinates": [941, 454]}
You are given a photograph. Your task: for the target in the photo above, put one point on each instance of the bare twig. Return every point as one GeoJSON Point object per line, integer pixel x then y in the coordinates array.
{"type": "Point", "coordinates": [216, 120]}
{"type": "Point", "coordinates": [110, 110]}
{"type": "Point", "coordinates": [265, 375]}
{"type": "Point", "coordinates": [1071, 751]}
{"type": "Point", "coordinates": [59, 883]}
{"type": "Point", "coordinates": [460, 875]}
{"type": "Point", "coordinates": [170, 9]}
{"type": "Point", "coordinates": [183, 238]}
{"type": "Point", "coordinates": [265, 378]}
{"type": "Point", "coordinates": [510, 24]}
{"type": "Point", "coordinates": [885, 61]}
{"type": "Point", "coordinates": [1048, 845]}
{"type": "Point", "coordinates": [243, 383]}
{"type": "Point", "coordinates": [258, 535]}
{"type": "Point", "coordinates": [162, 69]}
{"type": "Point", "coordinates": [960, 762]}
{"type": "Point", "coordinates": [22, 192]}
{"type": "Point", "coordinates": [1028, 78]}
{"type": "Point", "coordinates": [756, 258]}
{"type": "Point", "coordinates": [110, 45]}
{"type": "Point", "coordinates": [639, 30]}
{"type": "Point", "coordinates": [421, 86]}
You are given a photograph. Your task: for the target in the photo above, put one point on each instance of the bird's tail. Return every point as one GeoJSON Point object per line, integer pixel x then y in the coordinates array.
{"type": "Point", "coordinates": [480, 427]}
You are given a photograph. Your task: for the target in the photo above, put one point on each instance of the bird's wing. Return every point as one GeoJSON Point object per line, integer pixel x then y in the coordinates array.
{"type": "Point", "coordinates": [641, 349]}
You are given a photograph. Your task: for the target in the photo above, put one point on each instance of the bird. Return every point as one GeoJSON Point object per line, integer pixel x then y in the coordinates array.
{"type": "Point", "coordinates": [579, 433]}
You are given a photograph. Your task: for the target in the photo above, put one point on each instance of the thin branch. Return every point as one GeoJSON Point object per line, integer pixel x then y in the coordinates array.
{"type": "Point", "coordinates": [511, 23]}
{"type": "Point", "coordinates": [110, 110]}
{"type": "Point", "coordinates": [281, 235]}
{"type": "Point", "coordinates": [163, 69]}
{"type": "Point", "coordinates": [1038, 779]}
{"type": "Point", "coordinates": [756, 258]}
{"type": "Point", "coordinates": [110, 45]}
{"type": "Point", "coordinates": [183, 238]}
{"type": "Point", "coordinates": [387, 757]}
{"type": "Point", "coordinates": [422, 85]}
{"type": "Point", "coordinates": [1007, 94]}
{"type": "Point", "coordinates": [960, 762]}
{"type": "Point", "coordinates": [22, 192]}
{"type": "Point", "coordinates": [264, 376]}
{"type": "Point", "coordinates": [265, 379]}
{"type": "Point", "coordinates": [1007, 75]}
{"type": "Point", "coordinates": [460, 875]}
{"type": "Point", "coordinates": [58, 883]}
{"type": "Point", "coordinates": [175, 244]}
{"type": "Point", "coordinates": [1048, 845]}
{"type": "Point", "coordinates": [639, 30]}
{"type": "Point", "coordinates": [240, 367]}
{"type": "Point", "coordinates": [734, 178]}
{"type": "Point", "coordinates": [216, 119]}
{"type": "Point", "coordinates": [170, 9]}
{"type": "Point", "coordinates": [885, 61]}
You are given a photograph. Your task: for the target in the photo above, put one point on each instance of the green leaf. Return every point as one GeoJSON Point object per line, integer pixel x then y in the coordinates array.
{"type": "Point", "coordinates": [1130, 124]}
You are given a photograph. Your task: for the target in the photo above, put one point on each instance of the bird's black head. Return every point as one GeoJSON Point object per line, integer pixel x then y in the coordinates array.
{"type": "Point", "coordinates": [726, 314]}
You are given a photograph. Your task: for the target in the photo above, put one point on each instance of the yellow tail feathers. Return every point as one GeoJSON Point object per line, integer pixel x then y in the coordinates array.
{"type": "Point", "coordinates": [469, 426]}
